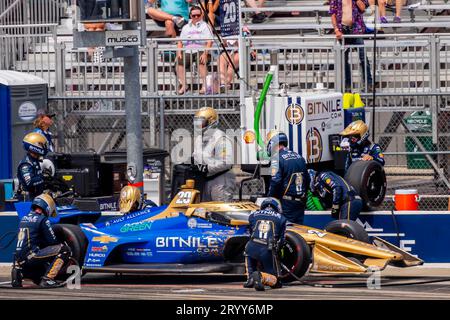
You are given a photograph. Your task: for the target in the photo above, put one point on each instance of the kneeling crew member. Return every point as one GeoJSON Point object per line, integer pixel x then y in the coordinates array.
{"type": "Point", "coordinates": [37, 247]}
{"type": "Point", "coordinates": [267, 228]}
{"type": "Point", "coordinates": [289, 177]}
{"type": "Point", "coordinates": [29, 170]}
{"type": "Point", "coordinates": [346, 203]}
{"type": "Point", "coordinates": [361, 148]}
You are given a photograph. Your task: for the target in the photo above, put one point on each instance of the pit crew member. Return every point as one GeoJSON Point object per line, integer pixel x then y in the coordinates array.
{"type": "Point", "coordinates": [356, 138]}
{"type": "Point", "coordinates": [38, 254]}
{"type": "Point", "coordinates": [346, 203]}
{"type": "Point", "coordinates": [289, 177]}
{"type": "Point", "coordinates": [213, 151]}
{"type": "Point", "coordinates": [267, 229]}
{"type": "Point", "coordinates": [29, 173]}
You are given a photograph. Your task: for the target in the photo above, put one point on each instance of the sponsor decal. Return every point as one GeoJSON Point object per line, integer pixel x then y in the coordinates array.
{"type": "Point", "coordinates": [97, 255]}
{"type": "Point", "coordinates": [104, 239]}
{"type": "Point", "coordinates": [134, 227]}
{"type": "Point", "coordinates": [123, 38]}
{"type": "Point", "coordinates": [317, 233]}
{"type": "Point", "coordinates": [192, 223]}
{"type": "Point", "coordinates": [189, 242]}
{"type": "Point", "coordinates": [100, 249]}
{"type": "Point", "coordinates": [27, 111]}
{"type": "Point", "coordinates": [314, 145]}
{"type": "Point", "coordinates": [294, 114]}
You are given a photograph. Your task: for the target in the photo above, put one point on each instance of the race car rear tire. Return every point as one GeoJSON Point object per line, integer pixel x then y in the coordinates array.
{"type": "Point", "coordinates": [75, 239]}
{"type": "Point", "coordinates": [296, 256]}
{"type": "Point", "coordinates": [369, 180]}
{"type": "Point", "coordinates": [349, 229]}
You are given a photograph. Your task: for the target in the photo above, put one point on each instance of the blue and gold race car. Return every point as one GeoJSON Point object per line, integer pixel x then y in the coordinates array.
{"type": "Point", "coordinates": [188, 236]}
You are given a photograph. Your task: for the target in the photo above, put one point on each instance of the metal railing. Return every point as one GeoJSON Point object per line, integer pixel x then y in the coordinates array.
{"type": "Point", "coordinates": [18, 12]}
{"type": "Point", "coordinates": [411, 76]}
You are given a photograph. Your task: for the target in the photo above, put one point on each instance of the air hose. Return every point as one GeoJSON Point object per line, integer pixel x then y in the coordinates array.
{"type": "Point", "coordinates": [259, 107]}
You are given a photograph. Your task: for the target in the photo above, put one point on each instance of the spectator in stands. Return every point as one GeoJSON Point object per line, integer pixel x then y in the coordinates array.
{"type": "Point", "coordinates": [347, 19]}
{"type": "Point", "coordinates": [173, 15]}
{"type": "Point", "coordinates": [196, 49]}
{"type": "Point", "coordinates": [381, 9]}
{"type": "Point", "coordinates": [258, 17]}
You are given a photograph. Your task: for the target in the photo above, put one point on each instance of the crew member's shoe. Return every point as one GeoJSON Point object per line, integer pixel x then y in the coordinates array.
{"type": "Point", "coordinates": [50, 283]}
{"type": "Point", "coordinates": [249, 283]}
{"type": "Point", "coordinates": [257, 281]}
{"type": "Point", "coordinates": [277, 285]}
{"type": "Point", "coordinates": [16, 278]}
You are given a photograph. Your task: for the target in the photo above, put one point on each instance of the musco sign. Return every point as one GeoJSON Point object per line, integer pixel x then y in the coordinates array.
{"type": "Point", "coordinates": [123, 38]}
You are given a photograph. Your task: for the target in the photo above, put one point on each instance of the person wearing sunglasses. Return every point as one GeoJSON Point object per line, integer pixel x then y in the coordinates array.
{"type": "Point", "coordinates": [195, 49]}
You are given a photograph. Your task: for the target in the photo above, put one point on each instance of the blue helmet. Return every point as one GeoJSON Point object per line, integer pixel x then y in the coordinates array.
{"type": "Point", "coordinates": [312, 179]}
{"type": "Point", "coordinates": [273, 203]}
{"type": "Point", "coordinates": [274, 138]}
{"type": "Point", "coordinates": [46, 203]}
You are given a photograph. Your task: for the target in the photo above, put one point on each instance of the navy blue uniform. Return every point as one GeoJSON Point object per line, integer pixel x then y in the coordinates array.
{"type": "Point", "coordinates": [38, 252]}
{"type": "Point", "coordinates": [267, 229]}
{"type": "Point", "coordinates": [344, 196]}
{"type": "Point", "coordinates": [30, 176]}
{"type": "Point", "coordinates": [289, 183]}
{"type": "Point", "coordinates": [366, 148]}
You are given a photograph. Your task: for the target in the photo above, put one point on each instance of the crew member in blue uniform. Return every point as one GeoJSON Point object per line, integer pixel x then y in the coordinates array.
{"type": "Point", "coordinates": [29, 170]}
{"type": "Point", "coordinates": [39, 255]}
{"type": "Point", "coordinates": [289, 177]}
{"type": "Point", "coordinates": [346, 203]}
{"type": "Point", "coordinates": [267, 229]}
{"type": "Point", "coordinates": [356, 137]}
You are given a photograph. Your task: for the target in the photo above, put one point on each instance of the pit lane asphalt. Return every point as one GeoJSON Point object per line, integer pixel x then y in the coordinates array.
{"type": "Point", "coordinates": [420, 283]}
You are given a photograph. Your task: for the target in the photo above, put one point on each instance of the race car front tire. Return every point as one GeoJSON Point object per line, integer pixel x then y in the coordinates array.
{"type": "Point", "coordinates": [348, 228]}
{"type": "Point", "coordinates": [75, 239]}
{"type": "Point", "coordinates": [369, 181]}
{"type": "Point", "coordinates": [296, 256]}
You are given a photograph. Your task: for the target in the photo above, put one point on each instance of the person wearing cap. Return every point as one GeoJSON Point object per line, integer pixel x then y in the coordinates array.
{"type": "Point", "coordinates": [42, 125]}
{"type": "Point", "coordinates": [289, 177]}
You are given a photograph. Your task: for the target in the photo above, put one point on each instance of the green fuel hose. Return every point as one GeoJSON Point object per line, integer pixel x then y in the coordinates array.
{"type": "Point", "coordinates": [260, 105]}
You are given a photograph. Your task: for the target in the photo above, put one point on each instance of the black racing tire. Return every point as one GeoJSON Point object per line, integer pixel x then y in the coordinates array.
{"type": "Point", "coordinates": [296, 256]}
{"type": "Point", "coordinates": [369, 180]}
{"type": "Point", "coordinates": [348, 228]}
{"type": "Point", "coordinates": [75, 239]}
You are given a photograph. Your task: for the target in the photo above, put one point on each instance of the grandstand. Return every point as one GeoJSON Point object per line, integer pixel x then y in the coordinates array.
{"type": "Point", "coordinates": [412, 63]}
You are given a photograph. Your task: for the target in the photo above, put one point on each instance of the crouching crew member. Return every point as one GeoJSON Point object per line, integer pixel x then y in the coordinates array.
{"type": "Point", "coordinates": [356, 136]}
{"type": "Point", "coordinates": [289, 177]}
{"type": "Point", "coordinates": [346, 203]}
{"type": "Point", "coordinates": [39, 255]}
{"type": "Point", "coordinates": [267, 229]}
{"type": "Point", "coordinates": [29, 171]}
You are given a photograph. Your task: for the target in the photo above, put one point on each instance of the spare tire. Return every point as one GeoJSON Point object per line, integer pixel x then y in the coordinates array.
{"type": "Point", "coordinates": [369, 181]}
{"type": "Point", "coordinates": [348, 228]}
{"type": "Point", "coordinates": [296, 256]}
{"type": "Point", "coordinates": [75, 239]}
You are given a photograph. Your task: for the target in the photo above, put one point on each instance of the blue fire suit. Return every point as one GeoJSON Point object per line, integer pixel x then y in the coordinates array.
{"type": "Point", "coordinates": [30, 176]}
{"type": "Point", "coordinates": [289, 183]}
{"type": "Point", "coordinates": [345, 199]}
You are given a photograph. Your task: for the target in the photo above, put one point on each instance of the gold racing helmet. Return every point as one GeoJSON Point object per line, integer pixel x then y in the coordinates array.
{"type": "Point", "coordinates": [205, 118]}
{"type": "Point", "coordinates": [130, 199]}
{"type": "Point", "coordinates": [46, 203]}
{"type": "Point", "coordinates": [36, 143]}
{"type": "Point", "coordinates": [356, 128]}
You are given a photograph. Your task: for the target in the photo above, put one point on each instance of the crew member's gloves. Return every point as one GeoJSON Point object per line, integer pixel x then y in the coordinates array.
{"type": "Point", "coordinates": [366, 157]}
{"type": "Point", "coordinates": [335, 211]}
